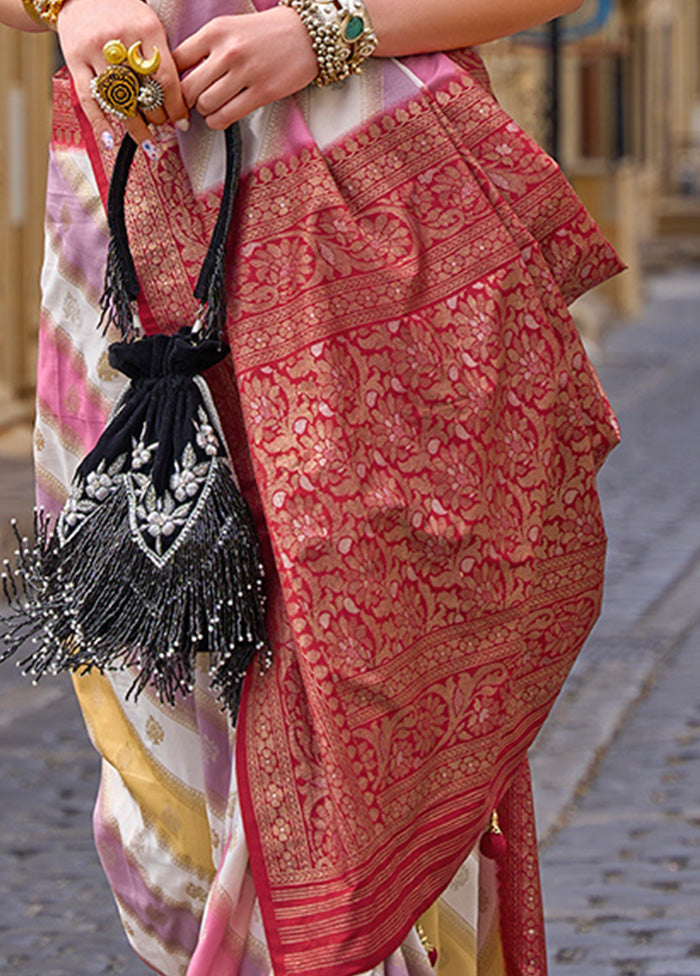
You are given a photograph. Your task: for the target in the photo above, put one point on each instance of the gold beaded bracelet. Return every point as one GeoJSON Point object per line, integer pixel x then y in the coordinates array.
{"type": "Point", "coordinates": [44, 12]}
{"type": "Point", "coordinates": [341, 35]}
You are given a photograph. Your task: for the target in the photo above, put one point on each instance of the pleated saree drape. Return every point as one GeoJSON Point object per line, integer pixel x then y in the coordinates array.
{"type": "Point", "coordinates": [418, 430]}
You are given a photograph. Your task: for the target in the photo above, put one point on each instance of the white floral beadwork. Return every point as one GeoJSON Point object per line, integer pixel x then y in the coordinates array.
{"type": "Point", "coordinates": [160, 523]}
{"type": "Point", "coordinates": [206, 438]}
{"type": "Point", "coordinates": [99, 485]}
{"type": "Point", "coordinates": [71, 511]}
{"type": "Point", "coordinates": [184, 484]}
{"type": "Point", "coordinates": [141, 454]}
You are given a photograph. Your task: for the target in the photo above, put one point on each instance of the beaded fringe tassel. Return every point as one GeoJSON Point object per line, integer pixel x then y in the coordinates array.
{"type": "Point", "coordinates": [95, 601]}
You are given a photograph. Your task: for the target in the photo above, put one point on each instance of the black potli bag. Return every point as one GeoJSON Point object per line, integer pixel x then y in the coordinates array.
{"type": "Point", "coordinates": [154, 557]}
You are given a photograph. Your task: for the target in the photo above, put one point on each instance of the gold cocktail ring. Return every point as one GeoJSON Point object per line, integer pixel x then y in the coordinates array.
{"type": "Point", "coordinates": [116, 90]}
{"type": "Point", "coordinates": [124, 87]}
{"type": "Point", "coordinates": [116, 52]}
{"type": "Point", "coordinates": [121, 93]}
{"type": "Point", "coordinates": [141, 65]}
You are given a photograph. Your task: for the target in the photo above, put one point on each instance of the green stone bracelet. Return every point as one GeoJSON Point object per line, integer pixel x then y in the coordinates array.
{"type": "Point", "coordinates": [341, 35]}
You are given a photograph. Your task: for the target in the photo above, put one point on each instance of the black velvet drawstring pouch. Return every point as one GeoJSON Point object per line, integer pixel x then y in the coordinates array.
{"type": "Point", "coordinates": [154, 557]}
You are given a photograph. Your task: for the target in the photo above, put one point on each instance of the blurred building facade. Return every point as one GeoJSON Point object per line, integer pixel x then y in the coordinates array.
{"type": "Point", "coordinates": [628, 132]}
{"type": "Point", "coordinates": [627, 107]}
{"type": "Point", "coordinates": [26, 64]}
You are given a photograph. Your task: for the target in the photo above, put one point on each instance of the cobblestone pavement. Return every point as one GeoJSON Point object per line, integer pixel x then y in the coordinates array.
{"type": "Point", "coordinates": [622, 879]}
{"type": "Point", "coordinates": [616, 770]}
{"type": "Point", "coordinates": [57, 917]}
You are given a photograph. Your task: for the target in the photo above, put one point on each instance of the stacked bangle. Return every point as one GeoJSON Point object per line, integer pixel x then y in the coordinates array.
{"type": "Point", "coordinates": [341, 35]}
{"type": "Point", "coordinates": [44, 12]}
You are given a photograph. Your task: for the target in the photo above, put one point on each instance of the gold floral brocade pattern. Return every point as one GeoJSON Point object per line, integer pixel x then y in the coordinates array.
{"type": "Point", "coordinates": [424, 430]}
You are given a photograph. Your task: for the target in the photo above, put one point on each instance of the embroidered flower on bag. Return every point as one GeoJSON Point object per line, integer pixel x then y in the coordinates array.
{"type": "Point", "coordinates": [160, 518]}
{"type": "Point", "coordinates": [160, 523]}
{"type": "Point", "coordinates": [189, 475]}
{"type": "Point", "coordinates": [206, 437]}
{"type": "Point", "coordinates": [184, 484]}
{"type": "Point", "coordinates": [71, 513]}
{"type": "Point", "coordinates": [141, 454]}
{"type": "Point", "coordinates": [99, 485]}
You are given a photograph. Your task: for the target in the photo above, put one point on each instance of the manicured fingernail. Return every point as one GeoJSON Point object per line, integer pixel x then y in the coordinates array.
{"type": "Point", "coordinates": [150, 149]}
{"type": "Point", "coordinates": [107, 140]}
{"type": "Point", "coordinates": [182, 124]}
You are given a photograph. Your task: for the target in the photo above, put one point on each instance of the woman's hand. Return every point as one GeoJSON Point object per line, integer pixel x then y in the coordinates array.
{"type": "Point", "coordinates": [233, 65]}
{"type": "Point", "coordinates": [84, 26]}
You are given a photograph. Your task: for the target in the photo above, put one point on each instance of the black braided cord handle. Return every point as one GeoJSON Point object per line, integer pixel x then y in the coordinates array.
{"type": "Point", "coordinates": [121, 281]}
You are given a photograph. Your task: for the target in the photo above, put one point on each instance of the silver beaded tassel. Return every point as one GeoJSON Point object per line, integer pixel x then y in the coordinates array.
{"type": "Point", "coordinates": [136, 577]}
{"type": "Point", "coordinates": [72, 610]}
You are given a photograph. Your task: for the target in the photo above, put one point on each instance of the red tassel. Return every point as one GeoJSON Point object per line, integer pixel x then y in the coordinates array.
{"type": "Point", "coordinates": [430, 949]}
{"type": "Point", "coordinates": [493, 844]}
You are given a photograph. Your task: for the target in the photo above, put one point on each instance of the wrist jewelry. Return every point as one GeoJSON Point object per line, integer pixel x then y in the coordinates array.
{"type": "Point", "coordinates": [341, 34]}
{"type": "Point", "coordinates": [44, 12]}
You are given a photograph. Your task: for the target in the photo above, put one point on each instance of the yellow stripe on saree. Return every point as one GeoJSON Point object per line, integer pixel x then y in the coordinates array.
{"type": "Point", "coordinates": [176, 812]}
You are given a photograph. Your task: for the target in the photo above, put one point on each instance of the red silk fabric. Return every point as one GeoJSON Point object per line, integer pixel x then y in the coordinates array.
{"type": "Point", "coordinates": [423, 432]}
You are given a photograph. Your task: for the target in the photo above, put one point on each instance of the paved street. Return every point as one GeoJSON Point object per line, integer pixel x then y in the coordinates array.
{"type": "Point", "coordinates": [617, 769]}
{"type": "Point", "coordinates": [622, 879]}
{"type": "Point", "coordinates": [56, 913]}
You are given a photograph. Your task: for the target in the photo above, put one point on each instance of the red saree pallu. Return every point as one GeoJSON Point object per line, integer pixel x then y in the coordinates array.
{"type": "Point", "coordinates": [418, 429]}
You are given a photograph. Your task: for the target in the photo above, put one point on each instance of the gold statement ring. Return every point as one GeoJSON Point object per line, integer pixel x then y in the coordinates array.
{"type": "Point", "coordinates": [126, 87]}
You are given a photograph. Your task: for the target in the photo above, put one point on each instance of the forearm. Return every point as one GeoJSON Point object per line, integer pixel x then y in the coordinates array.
{"type": "Point", "coordinates": [13, 14]}
{"type": "Point", "coordinates": [443, 25]}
